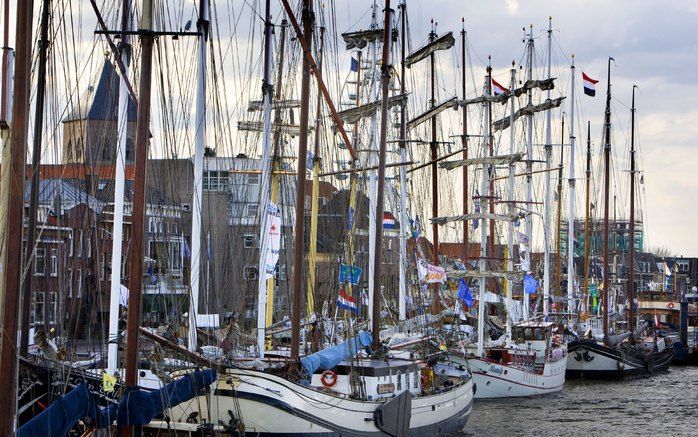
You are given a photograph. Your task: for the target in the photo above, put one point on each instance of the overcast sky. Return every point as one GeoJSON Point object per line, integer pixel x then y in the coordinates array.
{"type": "Point", "coordinates": [654, 44]}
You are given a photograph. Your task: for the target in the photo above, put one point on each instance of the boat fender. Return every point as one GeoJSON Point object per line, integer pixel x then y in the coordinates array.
{"type": "Point", "coordinates": [329, 378]}
{"type": "Point", "coordinates": [474, 389]}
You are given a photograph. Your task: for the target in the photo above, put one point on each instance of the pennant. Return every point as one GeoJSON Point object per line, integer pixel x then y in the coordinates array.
{"type": "Point", "coordinates": [498, 89]}
{"type": "Point", "coordinates": [350, 219]}
{"type": "Point", "coordinates": [309, 160]}
{"type": "Point", "coordinates": [589, 85]}
{"type": "Point", "coordinates": [346, 302]}
{"type": "Point", "coordinates": [389, 221]}
{"type": "Point", "coordinates": [350, 274]}
{"type": "Point", "coordinates": [429, 273]}
{"type": "Point", "coordinates": [273, 243]}
{"type": "Point", "coordinates": [530, 284]}
{"type": "Point", "coordinates": [354, 65]}
{"type": "Point", "coordinates": [464, 293]}
{"type": "Point", "coordinates": [476, 200]}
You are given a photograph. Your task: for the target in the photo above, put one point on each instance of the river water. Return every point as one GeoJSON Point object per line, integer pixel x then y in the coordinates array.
{"type": "Point", "coordinates": [666, 404]}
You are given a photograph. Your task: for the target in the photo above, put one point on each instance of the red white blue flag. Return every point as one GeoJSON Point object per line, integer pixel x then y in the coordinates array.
{"type": "Point", "coordinates": [589, 85]}
{"type": "Point", "coordinates": [498, 89]}
{"type": "Point", "coordinates": [346, 302]}
{"type": "Point", "coordinates": [389, 221]}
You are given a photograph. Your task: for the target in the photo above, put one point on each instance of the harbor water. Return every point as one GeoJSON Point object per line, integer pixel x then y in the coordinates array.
{"type": "Point", "coordinates": [666, 404]}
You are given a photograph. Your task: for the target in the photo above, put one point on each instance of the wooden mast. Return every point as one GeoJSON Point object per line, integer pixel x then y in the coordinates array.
{"type": "Point", "coordinates": [34, 194]}
{"type": "Point", "coordinates": [386, 70]}
{"type": "Point", "coordinates": [463, 35]}
{"type": "Point", "coordinates": [587, 243]}
{"type": "Point", "coordinates": [631, 280]}
{"type": "Point", "coordinates": [310, 295]}
{"type": "Point", "coordinates": [135, 280]}
{"type": "Point", "coordinates": [558, 244]}
{"type": "Point", "coordinates": [607, 177]}
{"type": "Point", "coordinates": [435, 304]}
{"type": "Point", "coordinates": [402, 295]}
{"type": "Point", "coordinates": [308, 19]}
{"type": "Point", "coordinates": [15, 208]}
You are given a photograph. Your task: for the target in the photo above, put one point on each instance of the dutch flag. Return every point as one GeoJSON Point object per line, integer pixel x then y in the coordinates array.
{"type": "Point", "coordinates": [589, 85]}
{"type": "Point", "coordinates": [389, 221]}
{"type": "Point", "coordinates": [498, 89]}
{"type": "Point", "coordinates": [347, 302]}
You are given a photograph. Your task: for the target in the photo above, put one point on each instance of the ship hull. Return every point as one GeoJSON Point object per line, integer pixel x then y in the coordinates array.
{"type": "Point", "coordinates": [269, 405]}
{"type": "Point", "coordinates": [497, 380]}
{"type": "Point", "coordinates": [590, 360]}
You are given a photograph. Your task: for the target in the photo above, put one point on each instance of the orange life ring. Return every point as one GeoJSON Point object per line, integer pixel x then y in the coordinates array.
{"type": "Point", "coordinates": [329, 378]}
{"type": "Point", "coordinates": [670, 305]}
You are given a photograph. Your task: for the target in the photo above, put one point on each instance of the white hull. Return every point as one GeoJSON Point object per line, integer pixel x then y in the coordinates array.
{"type": "Point", "coordinates": [495, 380]}
{"type": "Point", "coordinates": [270, 405]}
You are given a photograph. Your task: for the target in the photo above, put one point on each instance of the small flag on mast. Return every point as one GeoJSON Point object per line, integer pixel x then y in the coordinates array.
{"type": "Point", "coordinates": [389, 221]}
{"type": "Point", "coordinates": [354, 65]}
{"type": "Point", "coordinates": [498, 89]}
{"type": "Point", "coordinates": [589, 85]}
{"type": "Point", "coordinates": [346, 302]}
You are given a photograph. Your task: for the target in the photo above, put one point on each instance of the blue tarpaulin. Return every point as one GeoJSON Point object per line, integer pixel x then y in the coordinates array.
{"type": "Point", "coordinates": [330, 357]}
{"type": "Point", "coordinates": [136, 407]}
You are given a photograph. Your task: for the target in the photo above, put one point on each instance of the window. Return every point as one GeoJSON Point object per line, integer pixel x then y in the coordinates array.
{"type": "Point", "coordinates": [215, 180]}
{"type": "Point", "coordinates": [129, 149]}
{"type": "Point", "coordinates": [79, 250]}
{"type": "Point", "coordinates": [79, 284]}
{"type": "Point", "coordinates": [251, 273]}
{"type": "Point", "coordinates": [54, 262]}
{"type": "Point", "coordinates": [280, 272]}
{"type": "Point", "coordinates": [102, 265]}
{"type": "Point", "coordinates": [399, 380]}
{"type": "Point", "coordinates": [40, 261]}
{"type": "Point", "coordinates": [70, 244]}
{"type": "Point", "coordinates": [89, 244]}
{"type": "Point", "coordinates": [253, 179]}
{"type": "Point", "coordinates": [69, 151]}
{"type": "Point", "coordinates": [252, 209]}
{"type": "Point", "coordinates": [249, 241]}
{"type": "Point", "coordinates": [38, 312]}
{"type": "Point", "coordinates": [70, 282]}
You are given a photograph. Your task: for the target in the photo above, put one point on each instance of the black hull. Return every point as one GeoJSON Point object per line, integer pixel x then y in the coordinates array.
{"type": "Point", "coordinates": [630, 363]}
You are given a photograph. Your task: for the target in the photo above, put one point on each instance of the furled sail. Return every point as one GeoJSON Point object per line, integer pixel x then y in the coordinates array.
{"type": "Point", "coordinates": [478, 216]}
{"type": "Point", "coordinates": [353, 115]}
{"type": "Point", "coordinates": [258, 105]}
{"type": "Point", "coordinates": [359, 40]}
{"type": "Point", "coordinates": [444, 42]}
{"type": "Point", "coordinates": [502, 274]}
{"type": "Point", "coordinates": [330, 357]}
{"type": "Point", "coordinates": [527, 110]}
{"type": "Point", "coordinates": [491, 160]}
{"type": "Point", "coordinates": [257, 126]}
{"type": "Point", "coordinates": [441, 107]}
{"type": "Point", "coordinates": [543, 85]}
{"type": "Point", "coordinates": [501, 98]}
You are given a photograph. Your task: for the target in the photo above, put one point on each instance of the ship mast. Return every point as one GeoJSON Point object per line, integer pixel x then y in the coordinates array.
{"type": "Point", "coordinates": [119, 188]}
{"type": "Point", "coordinates": [197, 205]}
{"type": "Point", "coordinates": [135, 280]}
{"type": "Point", "coordinates": [34, 194]}
{"type": "Point", "coordinates": [558, 242]}
{"type": "Point", "coordinates": [585, 290]}
{"type": "Point", "coordinates": [308, 18]}
{"type": "Point", "coordinates": [607, 173]}
{"type": "Point", "coordinates": [435, 304]}
{"type": "Point", "coordinates": [310, 295]}
{"type": "Point", "coordinates": [402, 297]}
{"type": "Point", "coordinates": [463, 35]}
{"type": "Point", "coordinates": [529, 170]}
{"type": "Point", "coordinates": [548, 158]}
{"type": "Point", "coordinates": [386, 70]}
{"type": "Point", "coordinates": [510, 196]}
{"type": "Point", "coordinates": [372, 174]}
{"type": "Point", "coordinates": [570, 212]}
{"type": "Point", "coordinates": [484, 183]}
{"type": "Point", "coordinates": [631, 280]}
{"type": "Point", "coordinates": [15, 208]}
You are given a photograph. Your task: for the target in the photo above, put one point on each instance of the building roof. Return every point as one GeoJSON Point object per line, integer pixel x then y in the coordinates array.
{"type": "Point", "coordinates": [101, 101]}
{"type": "Point", "coordinates": [70, 194]}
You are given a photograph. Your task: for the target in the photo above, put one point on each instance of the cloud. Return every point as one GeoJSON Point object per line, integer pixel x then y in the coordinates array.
{"type": "Point", "coordinates": [512, 6]}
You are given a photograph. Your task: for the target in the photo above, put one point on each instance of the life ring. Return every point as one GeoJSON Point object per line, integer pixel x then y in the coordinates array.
{"type": "Point", "coordinates": [329, 378]}
{"type": "Point", "coordinates": [670, 305]}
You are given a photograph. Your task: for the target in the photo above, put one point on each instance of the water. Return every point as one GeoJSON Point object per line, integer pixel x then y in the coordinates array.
{"type": "Point", "coordinates": [666, 404]}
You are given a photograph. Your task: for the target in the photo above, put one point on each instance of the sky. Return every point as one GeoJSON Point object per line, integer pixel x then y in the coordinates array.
{"type": "Point", "coordinates": [654, 45]}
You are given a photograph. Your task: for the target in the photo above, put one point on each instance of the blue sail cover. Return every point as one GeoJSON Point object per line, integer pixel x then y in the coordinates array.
{"type": "Point", "coordinates": [330, 357]}
{"type": "Point", "coordinates": [136, 407]}
{"type": "Point", "coordinates": [62, 415]}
